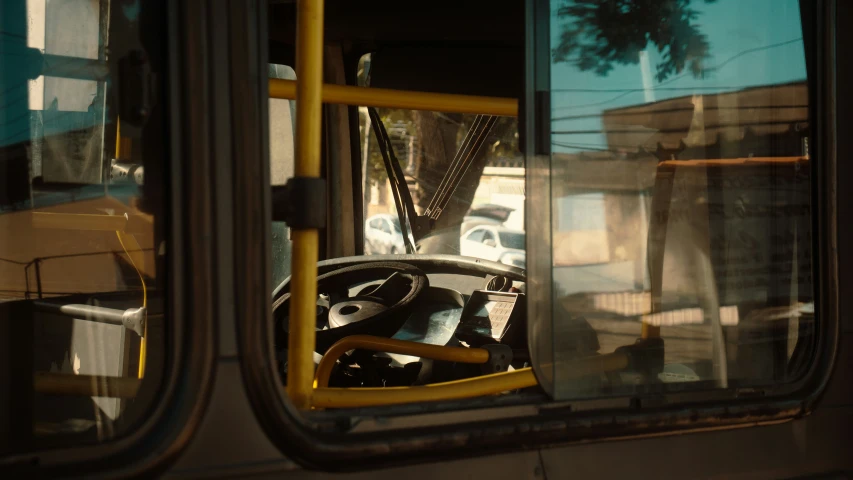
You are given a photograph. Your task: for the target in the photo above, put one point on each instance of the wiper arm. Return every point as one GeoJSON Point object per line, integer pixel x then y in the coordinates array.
{"type": "Point", "coordinates": [471, 145]}
{"type": "Point", "coordinates": [420, 225]}
{"type": "Point", "coordinates": [417, 225]}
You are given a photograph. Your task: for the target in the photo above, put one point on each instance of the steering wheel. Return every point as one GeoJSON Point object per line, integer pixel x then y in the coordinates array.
{"type": "Point", "coordinates": [374, 310]}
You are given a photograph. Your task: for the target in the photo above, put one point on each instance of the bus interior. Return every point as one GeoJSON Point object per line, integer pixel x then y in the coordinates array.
{"type": "Point", "coordinates": [467, 245]}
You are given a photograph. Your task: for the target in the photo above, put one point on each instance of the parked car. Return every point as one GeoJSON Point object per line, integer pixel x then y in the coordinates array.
{"type": "Point", "coordinates": [495, 242]}
{"type": "Point", "coordinates": [488, 214]}
{"type": "Point", "coordinates": [383, 235]}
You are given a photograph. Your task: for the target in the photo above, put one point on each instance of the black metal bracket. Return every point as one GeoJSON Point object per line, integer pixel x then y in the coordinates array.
{"type": "Point", "coordinates": [421, 226]}
{"type": "Point", "coordinates": [500, 357]}
{"type": "Point", "coordinates": [301, 203]}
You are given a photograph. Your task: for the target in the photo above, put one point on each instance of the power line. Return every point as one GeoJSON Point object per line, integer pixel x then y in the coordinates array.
{"type": "Point", "coordinates": [674, 130]}
{"type": "Point", "coordinates": [679, 109]}
{"type": "Point", "coordinates": [16, 262]}
{"type": "Point", "coordinates": [14, 35]}
{"type": "Point", "coordinates": [582, 147]}
{"type": "Point", "coordinates": [679, 77]}
{"type": "Point", "coordinates": [597, 146]}
{"type": "Point", "coordinates": [756, 49]}
{"type": "Point", "coordinates": [614, 90]}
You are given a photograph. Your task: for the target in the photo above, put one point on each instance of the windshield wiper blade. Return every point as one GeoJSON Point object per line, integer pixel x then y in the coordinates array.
{"type": "Point", "coordinates": [474, 140]}
{"type": "Point", "coordinates": [417, 225]}
{"type": "Point", "coordinates": [420, 225]}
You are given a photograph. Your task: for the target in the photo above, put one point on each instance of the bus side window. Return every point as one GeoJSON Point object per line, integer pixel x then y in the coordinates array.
{"type": "Point", "coordinates": [681, 192]}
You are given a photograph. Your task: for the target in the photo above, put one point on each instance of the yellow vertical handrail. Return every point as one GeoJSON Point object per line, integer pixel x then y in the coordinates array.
{"type": "Point", "coordinates": [305, 242]}
{"type": "Point", "coordinates": [118, 138]}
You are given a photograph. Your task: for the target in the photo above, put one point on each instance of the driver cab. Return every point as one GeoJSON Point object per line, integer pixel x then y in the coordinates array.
{"type": "Point", "coordinates": [395, 281]}
{"type": "Point", "coordinates": [657, 264]}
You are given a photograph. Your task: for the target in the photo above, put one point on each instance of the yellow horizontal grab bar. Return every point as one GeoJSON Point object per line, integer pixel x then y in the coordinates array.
{"type": "Point", "coordinates": [410, 100]}
{"type": "Point", "coordinates": [85, 385]}
{"type": "Point", "coordinates": [455, 390]}
{"type": "Point", "coordinates": [390, 345]}
{"type": "Point", "coordinates": [467, 388]}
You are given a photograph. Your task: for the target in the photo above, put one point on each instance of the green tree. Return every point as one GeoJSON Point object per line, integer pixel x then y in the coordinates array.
{"type": "Point", "coordinates": [399, 124]}
{"type": "Point", "coordinates": [599, 34]}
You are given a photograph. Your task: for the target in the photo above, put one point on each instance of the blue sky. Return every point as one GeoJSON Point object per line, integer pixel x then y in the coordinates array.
{"type": "Point", "coordinates": [752, 42]}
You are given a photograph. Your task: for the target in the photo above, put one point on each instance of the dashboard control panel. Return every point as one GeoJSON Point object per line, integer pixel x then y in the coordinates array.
{"type": "Point", "coordinates": [493, 317]}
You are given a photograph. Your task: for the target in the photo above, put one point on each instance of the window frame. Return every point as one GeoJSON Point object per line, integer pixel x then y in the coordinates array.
{"type": "Point", "coordinates": [820, 81]}
{"type": "Point", "coordinates": [178, 403]}
{"type": "Point", "coordinates": [313, 440]}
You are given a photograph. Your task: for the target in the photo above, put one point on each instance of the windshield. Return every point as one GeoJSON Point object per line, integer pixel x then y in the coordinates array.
{"type": "Point", "coordinates": [512, 240]}
{"type": "Point", "coordinates": [429, 147]}
{"type": "Point", "coordinates": [86, 243]}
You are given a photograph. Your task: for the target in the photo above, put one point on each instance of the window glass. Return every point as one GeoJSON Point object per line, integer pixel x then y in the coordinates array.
{"type": "Point", "coordinates": [425, 144]}
{"type": "Point", "coordinates": [458, 189]}
{"type": "Point", "coordinates": [476, 235]}
{"type": "Point", "coordinates": [488, 236]}
{"type": "Point", "coordinates": [513, 240]}
{"type": "Point", "coordinates": [82, 224]}
{"type": "Point", "coordinates": [680, 183]}
{"type": "Point", "coordinates": [282, 124]}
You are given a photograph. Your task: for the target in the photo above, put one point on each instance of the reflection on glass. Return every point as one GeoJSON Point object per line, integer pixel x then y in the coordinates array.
{"type": "Point", "coordinates": [81, 225]}
{"type": "Point", "coordinates": [680, 184]}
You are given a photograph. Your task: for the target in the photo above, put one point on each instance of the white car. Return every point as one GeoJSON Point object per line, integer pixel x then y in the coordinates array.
{"type": "Point", "coordinates": [382, 235]}
{"type": "Point", "coordinates": [495, 242]}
